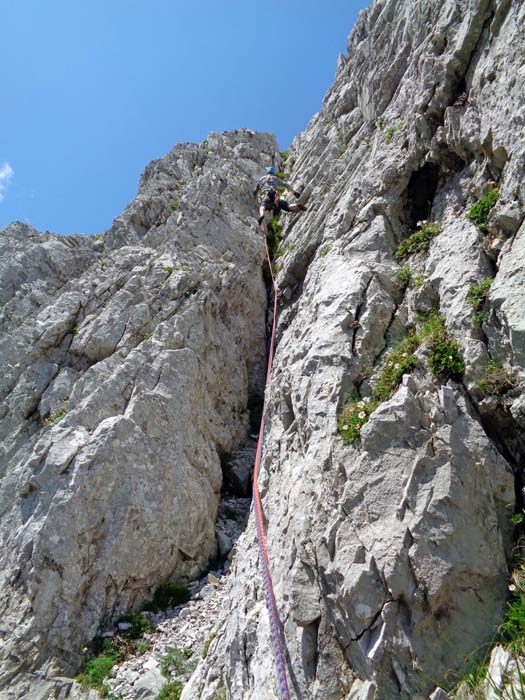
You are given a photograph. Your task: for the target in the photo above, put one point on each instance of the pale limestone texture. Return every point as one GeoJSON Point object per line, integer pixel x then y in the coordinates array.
{"type": "Point", "coordinates": [128, 364]}
{"type": "Point", "coordinates": [389, 556]}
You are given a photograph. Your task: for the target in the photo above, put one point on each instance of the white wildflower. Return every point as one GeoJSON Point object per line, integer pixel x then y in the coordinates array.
{"type": "Point", "coordinates": [345, 427]}
{"type": "Point", "coordinates": [405, 354]}
{"type": "Point", "coordinates": [367, 399]}
{"type": "Point", "coordinates": [361, 404]}
{"type": "Point", "coordinates": [362, 414]}
{"type": "Point", "coordinates": [397, 365]}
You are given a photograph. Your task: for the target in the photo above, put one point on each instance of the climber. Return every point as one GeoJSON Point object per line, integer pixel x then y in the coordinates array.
{"type": "Point", "coordinates": [267, 195]}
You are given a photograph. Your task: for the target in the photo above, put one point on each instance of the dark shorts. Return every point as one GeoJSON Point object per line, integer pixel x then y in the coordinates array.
{"type": "Point", "coordinates": [269, 203]}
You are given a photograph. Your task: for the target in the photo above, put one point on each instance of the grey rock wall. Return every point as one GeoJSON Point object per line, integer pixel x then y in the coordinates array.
{"type": "Point", "coordinates": [128, 361]}
{"type": "Point", "coordinates": [389, 556]}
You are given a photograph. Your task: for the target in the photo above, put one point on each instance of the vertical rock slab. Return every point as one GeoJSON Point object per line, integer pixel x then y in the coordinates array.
{"type": "Point", "coordinates": [128, 363]}
{"type": "Point", "coordinates": [389, 556]}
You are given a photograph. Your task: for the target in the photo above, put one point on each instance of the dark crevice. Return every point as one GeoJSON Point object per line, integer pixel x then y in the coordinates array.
{"type": "Point", "coordinates": [376, 617]}
{"type": "Point", "coordinates": [419, 195]}
{"type": "Point", "coordinates": [358, 313]}
{"type": "Point", "coordinates": [507, 437]}
{"type": "Point", "coordinates": [309, 649]}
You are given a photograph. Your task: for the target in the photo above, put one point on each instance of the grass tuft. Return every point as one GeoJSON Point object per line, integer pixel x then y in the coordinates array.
{"type": "Point", "coordinates": [389, 134]}
{"type": "Point", "coordinates": [418, 242]}
{"type": "Point", "coordinates": [170, 691]}
{"type": "Point", "coordinates": [479, 212]}
{"type": "Point", "coordinates": [445, 363]}
{"type": "Point", "coordinates": [496, 379]}
{"type": "Point", "coordinates": [478, 297]}
{"type": "Point", "coordinates": [177, 661]}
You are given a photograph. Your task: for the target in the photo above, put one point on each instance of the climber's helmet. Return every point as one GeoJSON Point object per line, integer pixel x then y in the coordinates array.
{"type": "Point", "coordinates": [271, 170]}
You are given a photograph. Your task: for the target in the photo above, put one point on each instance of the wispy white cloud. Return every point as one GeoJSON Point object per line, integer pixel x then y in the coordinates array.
{"type": "Point", "coordinates": [6, 175]}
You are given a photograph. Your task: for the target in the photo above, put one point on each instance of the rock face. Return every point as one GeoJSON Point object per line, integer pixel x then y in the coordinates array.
{"type": "Point", "coordinates": [389, 555]}
{"type": "Point", "coordinates": [128, 362]}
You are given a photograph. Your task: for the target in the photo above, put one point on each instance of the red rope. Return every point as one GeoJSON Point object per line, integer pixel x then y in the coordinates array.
{"type": "Point", "coordinates": [275, 625]}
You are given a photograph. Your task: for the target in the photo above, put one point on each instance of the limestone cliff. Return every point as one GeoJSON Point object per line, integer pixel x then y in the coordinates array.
{"type": "Point", "coordinates": [130, 361]}
{"type": "Point", "coordinates": [389, 554]}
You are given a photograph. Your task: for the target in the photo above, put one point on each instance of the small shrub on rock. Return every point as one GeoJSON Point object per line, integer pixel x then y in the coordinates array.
{"type": "Point", "coordinates": [99, 668]}
{"type": "Point", "coordinates": [354, 415]}
{"type": "Point", "coordinates": [55, 417]}
{"type": "Point", "coordinates": [477, 297]}
{"type": "Point", "coordinates": [445, 358]}
{"type": "Point", "coordinates": [139, 625]}
{"type": "Point", "coordinates": [496, 379]}
{"type": "Point", "coordinates": [170, 691]}
{"type": "Point", "coordinates": [418, 242]}
{"type": "Point", "coordinates": [177, 661]}
{"type": "Point", "coordinates": [389, 135]}
{"type": "Point", "coordinates": [404, 276]}
{"type": "Point", "coordinates": [479, 212]}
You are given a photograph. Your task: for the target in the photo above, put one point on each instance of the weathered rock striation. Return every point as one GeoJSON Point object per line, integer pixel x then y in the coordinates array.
{"type": "Point", "coordinates": [389, 555]}
{"type": "Point", "coordinates": [128, 364]}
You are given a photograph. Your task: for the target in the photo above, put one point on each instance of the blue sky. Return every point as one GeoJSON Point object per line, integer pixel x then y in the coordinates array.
{"type": "Point", "coordinates": [91, 92]}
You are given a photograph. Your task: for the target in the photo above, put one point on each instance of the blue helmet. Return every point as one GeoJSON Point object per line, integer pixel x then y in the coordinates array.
{"type": "Point", "coordinates": [271, 170]}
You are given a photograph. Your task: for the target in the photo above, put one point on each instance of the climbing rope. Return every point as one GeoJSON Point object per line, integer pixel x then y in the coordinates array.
{"type": "Point", "coordinates": [275, 624]}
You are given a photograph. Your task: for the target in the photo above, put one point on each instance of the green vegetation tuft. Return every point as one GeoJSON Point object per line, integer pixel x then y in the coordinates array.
{"type": "Point", "coordinates": [478, 297]}
{"type": "Point", "coordinates": [496, 379]}
{"type": "Point", "coordinates": [219, 694]}
{"type": "Point", "coordinates": [418, 242]}
{"type": "Point", "coordinates": [275, 235]}
{"type": "Point", "coordinates": [380, 122]}
{"type": "Point", "coordinates": [55, 417]}
{"type": "Point", "coordinates": [325, 250]}
{"type": "Point", "coordinates": [479, 212]}
{"type": "Point", "coordinates": [510, 635]}
{"type": "Point", "coordinates": [419, 281]}
{"type": "Point", "coordinates": [177, 661]}
{"type": "Point", "coordinates": [445, 358]}
{"type": "Point", "coordinates": [398, 361]}
{"type": "Point", "coordinates": [404, 277]}
{"type": "Point", "coordinates": [445, 362]}
{"type": "Point", "coordinates": [168, 595]}
{"type": "Point", "coordinates": [174, 205]}
{"type": "Point", "coordinates": [389, 134]}
{"type": "Point", "coordinates": [168, 269]}
{"type": "Point", "coordinates": [99, 668]}
{"type": "Point", "coordinates": [170, 691]}
{"type": "Point", "coordinates": [284, 155]}
{"type": "Point", "coordinates": [139, 625]}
